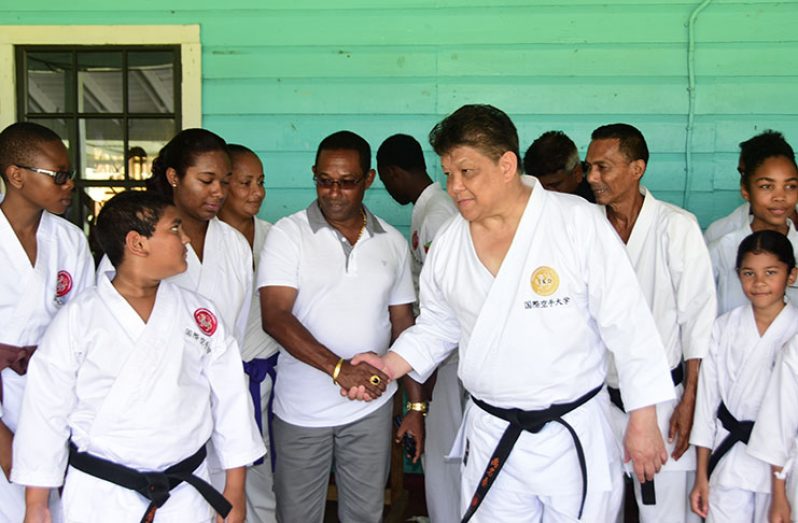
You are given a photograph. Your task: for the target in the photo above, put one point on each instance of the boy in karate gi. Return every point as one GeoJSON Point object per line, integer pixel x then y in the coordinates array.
{"type": "Point", "coordinates": [46, 262]}
{"type": "Point", "coordinates": [533, 288]}
{"type": "Point", "coordinates": [130, 382]}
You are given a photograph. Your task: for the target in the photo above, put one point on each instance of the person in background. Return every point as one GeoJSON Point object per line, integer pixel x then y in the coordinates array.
{"type": "Point", "coordinates": [672, 264]}
{"type": "Point", "coordinates": [403, 171]}
{"type": "Point", "coordinates": [553, 159]}
{"type": "Point", "coordinates": [259, 351]}
{"type": "Point", "coordinates": [46, 263]}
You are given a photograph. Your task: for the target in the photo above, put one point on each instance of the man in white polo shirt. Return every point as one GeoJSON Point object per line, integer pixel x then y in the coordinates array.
{"type": "Point", "coordinates": [334, 281]}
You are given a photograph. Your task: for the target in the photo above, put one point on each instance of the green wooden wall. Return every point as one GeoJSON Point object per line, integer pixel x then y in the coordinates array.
{"type": "Point", "coordinates": [280, 75]}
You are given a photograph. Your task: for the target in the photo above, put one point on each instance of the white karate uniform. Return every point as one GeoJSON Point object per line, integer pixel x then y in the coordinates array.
{"type": "Point", "coordinates": [431, 211]}
{"type": "Point", "coordinates": [736, 372]}
{"type": "Point", "coordinates": [535, 335]}
{"type": "Point", "coordinates": [739, 217]}
{"type": "Point", "coordinates": [723, 253]}
{"type": "Point", "coordinates": [673, 268]}
{"type": "Point", "coordinates": [29, 298]}
{"type": "Point", "coordinates": [774, 439]}
{"type": "Point", "coordinates": [144, 395]}
{"type": "Point", "coordinates": [261, 504]}
{"type": "Point", "coordinates": [224, 275]}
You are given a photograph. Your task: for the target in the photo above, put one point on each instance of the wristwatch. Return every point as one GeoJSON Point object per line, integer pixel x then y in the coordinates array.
{"type": "Point", "coordinates": [418, 406]}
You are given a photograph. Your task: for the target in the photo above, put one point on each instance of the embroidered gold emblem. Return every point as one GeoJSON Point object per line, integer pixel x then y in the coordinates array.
{"type": "Point", "coordinates": [545, 281]}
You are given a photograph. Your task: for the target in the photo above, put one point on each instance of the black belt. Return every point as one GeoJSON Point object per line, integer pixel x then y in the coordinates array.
{"type": "Point", "coordinates": [739, 432]}
{"type": "Point", "coordinates": [531, 421]}
{"type": "Point", "coordinates": [647, 491]}
{"type": "Point", "coordinates": [154, 486]}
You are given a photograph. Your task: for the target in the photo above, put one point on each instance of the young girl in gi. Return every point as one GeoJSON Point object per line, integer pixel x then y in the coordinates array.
{"type": "Point", "coordinates": [770, 183]}
{"type": "Point", "coordinates": [732, 485]}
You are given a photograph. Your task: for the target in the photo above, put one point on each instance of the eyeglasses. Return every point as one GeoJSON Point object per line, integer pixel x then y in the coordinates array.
{"type": "Point", "coordinates": [59, 177]}
{"type": "Point", "coordinates": [346, 183]}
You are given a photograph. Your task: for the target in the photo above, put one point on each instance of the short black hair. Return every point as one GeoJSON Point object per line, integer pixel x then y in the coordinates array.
{"type": "Point", "coordinates": [127, 211]}
{"type": "Point", "coordinates": [347, 141]}
{"type": "Point", "coordinates": [237, 148]}
{"type": "Point", "coordinates": [179, 154]}
{"type": "Point", "coordinates": [630, 140]}
{"type": "Point", "coordinates": [481, 126]}
{"type": "Point", "coordinates": [755, 150]}
{"type": "Point", "coordinates": [767, 241]}
{"type": "Point", "coordinates": [550, 153]}
{"type": "Point", "coordinates": [403, 151]}
{"type": "Point", "coordinates": [19, 143]}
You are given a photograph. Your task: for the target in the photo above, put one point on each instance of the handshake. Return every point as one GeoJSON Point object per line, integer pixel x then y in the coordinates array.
{"type": "Point", "coordinates": [364, 377]}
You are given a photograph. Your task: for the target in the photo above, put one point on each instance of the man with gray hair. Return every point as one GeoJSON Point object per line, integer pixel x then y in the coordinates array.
{"type": "Point", "coordinates": [553, 159]}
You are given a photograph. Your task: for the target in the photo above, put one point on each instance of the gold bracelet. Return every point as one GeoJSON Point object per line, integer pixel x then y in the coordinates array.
{"type": "Point", "coordinates": [337, 370]}
{"type": "Point", "coordinates": [418, 406]}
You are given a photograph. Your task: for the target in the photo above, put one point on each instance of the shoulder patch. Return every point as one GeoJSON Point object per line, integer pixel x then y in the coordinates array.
{"type": "Point", "coordinates": [63, 284]}
{"type": "Point", "coordinates": [206, 321]}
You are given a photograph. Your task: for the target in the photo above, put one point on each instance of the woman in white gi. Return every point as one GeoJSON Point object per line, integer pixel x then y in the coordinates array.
{"type": "Point", "coordinates": [259, 350]}
{"type": "Point", "coordinates": [730, 484]}
{"type": "Point", "coordinates": [770, 184]}
{"type": "Point", "coordinates": [130, 382]}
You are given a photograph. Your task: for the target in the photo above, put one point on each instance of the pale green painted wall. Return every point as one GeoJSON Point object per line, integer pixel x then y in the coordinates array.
{"type": "Point", "coordinates": [280, 75]}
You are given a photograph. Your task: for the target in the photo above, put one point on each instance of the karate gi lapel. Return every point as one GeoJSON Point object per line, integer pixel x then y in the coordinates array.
{"type": "Point", "coordinates": [746, 378]}
{"type": "Point", "coordinates": [496, 311]}
{"type": "Point", "coordinates": [20, 274]}
{"type": "Point", "coordinates": [635, 247]}
{"type": "Point", "coordinates": [136, 360]}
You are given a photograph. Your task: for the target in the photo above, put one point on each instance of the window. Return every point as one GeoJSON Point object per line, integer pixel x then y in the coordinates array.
{"type": "Point", "coordinates": [114, 106]}
{"type": "Point", "coordinates": [115, 95]}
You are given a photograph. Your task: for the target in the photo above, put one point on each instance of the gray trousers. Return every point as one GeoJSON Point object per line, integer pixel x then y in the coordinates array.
{"type": "Point", "coordinates": [360, 452]}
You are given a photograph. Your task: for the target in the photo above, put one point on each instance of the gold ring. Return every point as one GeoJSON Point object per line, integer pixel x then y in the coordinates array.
{"type": "Point", "coordinates": [375, 380]}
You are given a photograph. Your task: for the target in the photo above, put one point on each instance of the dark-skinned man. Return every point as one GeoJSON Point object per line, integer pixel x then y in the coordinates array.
{"type": "Point", "coordinates": [334, 280]}
{"type": "Point", "coordinates": [673, 268]}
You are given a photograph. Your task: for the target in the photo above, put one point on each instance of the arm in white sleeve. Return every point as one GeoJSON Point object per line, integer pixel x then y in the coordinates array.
{"type": "Point", "coordinates": [691, 273]}
{"type": "Point", "coordinates": [776, 425]}
{"type": "Point", "coordinates": [436, 332]}
{"type": "Point", "coordinates": [40, 444]}
{"type": "Point", "coordinates": [235, 436]}
{"type": "Point", "coordinates": [622, 315]}
{"type": "Point", "coordinates": [708, 398]}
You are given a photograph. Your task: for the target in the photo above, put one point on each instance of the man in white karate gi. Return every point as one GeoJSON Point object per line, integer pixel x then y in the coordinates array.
{"type": "Point", "coordinates": [403, 171]}
{"type": "Point", "coordinates": [672, 264]}
{"type": "Point", "coordinates": [534, 288]}
{"type": "Point", "coordinates": [46, 262]}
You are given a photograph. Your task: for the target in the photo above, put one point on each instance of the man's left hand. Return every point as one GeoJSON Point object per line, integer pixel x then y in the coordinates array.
{"type": "Point", "coordinates": [680, 426]}
{"type": "Point", "coordinates": [413, 426]}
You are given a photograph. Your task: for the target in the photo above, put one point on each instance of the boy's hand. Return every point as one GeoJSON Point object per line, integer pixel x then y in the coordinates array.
{"type": "Point", "coordinates": [699, 497]}
{"type": "Point", "coordinates": [235, 494]}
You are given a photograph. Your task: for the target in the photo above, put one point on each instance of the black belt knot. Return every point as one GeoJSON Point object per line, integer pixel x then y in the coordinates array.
{"type": "Point", "coordinates": [531, 421]}
{"type": "Point", "coordinates": [739, 432]}
{"type": "Point", "coordinates": [154, 486]}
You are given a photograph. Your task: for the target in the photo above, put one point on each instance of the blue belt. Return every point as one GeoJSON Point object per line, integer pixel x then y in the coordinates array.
{"type": "Point", "coordinates": [257, 369]}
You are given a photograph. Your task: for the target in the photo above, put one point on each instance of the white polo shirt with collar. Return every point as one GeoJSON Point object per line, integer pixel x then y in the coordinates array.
{"type": "Point", "coordinates": [343, 296]}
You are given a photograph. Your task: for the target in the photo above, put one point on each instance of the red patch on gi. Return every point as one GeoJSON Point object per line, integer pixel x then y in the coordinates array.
{"type": "Point", "coordinates": [414, 239]}
{"type": "Point", "coordinates": [63, 284]}
{"type": "Point", "coordinates": [206, 321]}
